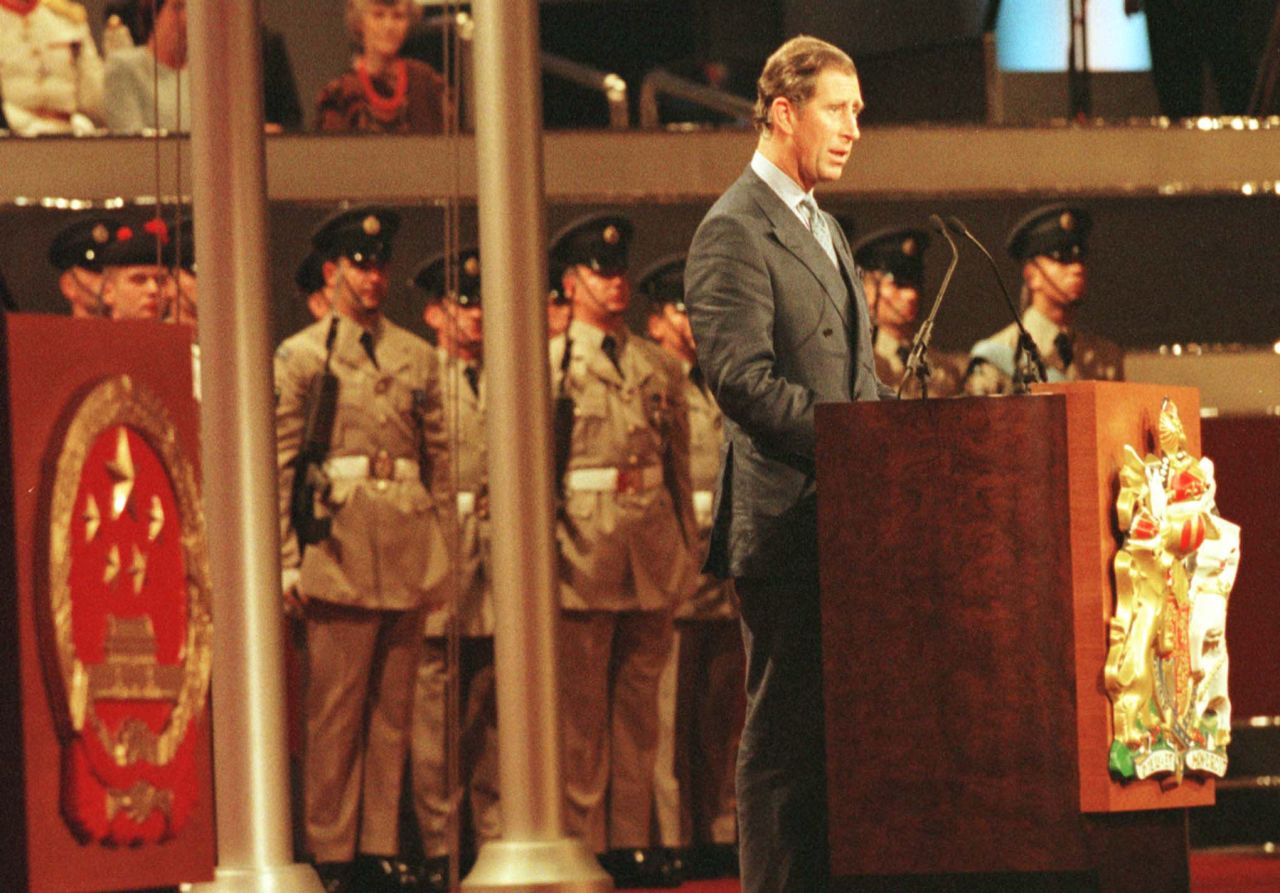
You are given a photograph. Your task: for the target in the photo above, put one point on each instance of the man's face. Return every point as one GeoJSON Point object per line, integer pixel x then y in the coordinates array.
{"type": "Point", "coordinates": [135, 292]}
{"type": "Point", "coordinates": [826, 127]}
{"type": "Point", "coordinates": [459, 330]}
{"type": "Point", "coordinates": [358, 288]}
{"type": "Point", "coordinates": [1058, 282]}
{"type": "Point", "coordinates": [597, 297]}
{"type": "Point", "coordinates": [894, 303]}
{"type": "Point", "coordinates": [670, 328]}
{"type": "Point", "coordinates": [82, 288]}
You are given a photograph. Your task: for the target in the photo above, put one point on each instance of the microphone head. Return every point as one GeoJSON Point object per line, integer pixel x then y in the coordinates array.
{"type": "Point", "coordinates": [936, 222]}
{"type": "Point", "coordinates": [954, 224]}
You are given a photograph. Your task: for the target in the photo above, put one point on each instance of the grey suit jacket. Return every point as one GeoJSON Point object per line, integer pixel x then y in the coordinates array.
{"type": "Point", "coordinates": [778, 330]}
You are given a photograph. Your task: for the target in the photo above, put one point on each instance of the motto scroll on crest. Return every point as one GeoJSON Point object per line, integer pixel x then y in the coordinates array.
{"type": "Point", "coordinates": [1166, 670]}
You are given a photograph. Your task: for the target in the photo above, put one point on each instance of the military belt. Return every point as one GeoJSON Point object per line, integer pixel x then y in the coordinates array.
{"type": "Point", "coordinates": [614, 480]}
{"type": "Point", "coordinates": [380, 467]}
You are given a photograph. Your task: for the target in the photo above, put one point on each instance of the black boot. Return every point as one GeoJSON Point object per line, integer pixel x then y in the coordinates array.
{"type": "Point", "coordinates": [334, 876]}
{"type": "Point", "coordinates": [652, 867]}
{"type": "Point", "coordinates": [434, 876]}
{"type": "Point", "coordinates": [381, 874]}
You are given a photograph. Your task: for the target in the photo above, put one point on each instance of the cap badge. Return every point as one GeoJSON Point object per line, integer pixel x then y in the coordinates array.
{"type": "Point", "coordinates": [909, 247]}
{"type": "Point", "coordinates": [101, 234]}
{"type": "Point", "coordinates": [371, 225]}
{"type": "Point", "coordinates": [471, 266]}
{"type": "Point", "coordinates": [611, 235]}
{"type": "Point", "coordinates": [1067, 221]}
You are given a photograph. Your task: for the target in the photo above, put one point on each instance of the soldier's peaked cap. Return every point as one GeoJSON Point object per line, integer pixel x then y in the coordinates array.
{"type": "Point", "coordinates": [362, 234]}
{"type": "Point", "coordinates": [80, 243]}
{"type": "Point", "coordinates": [430, 276]}
{"type": "Point", "coordinates": [599, 241]}
{"type": "Point", "coordinates": [1060, 231]}
{"type": "Point", "coordinates": [898, 250]}
{"type": "Point", "coordinates": [662, 282]}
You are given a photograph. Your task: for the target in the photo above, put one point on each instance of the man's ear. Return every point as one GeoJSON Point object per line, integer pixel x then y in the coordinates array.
{"type": "Point", "coordinates": [329, 270]}
{"type": "Point", "coordinates": [108, 289]}
{"type": "Point", "coordinates": [433, 315]}
{"type": "Point", "coordinates": [782, 114]}
{"type": "Point", "coordinates": [568, 282]}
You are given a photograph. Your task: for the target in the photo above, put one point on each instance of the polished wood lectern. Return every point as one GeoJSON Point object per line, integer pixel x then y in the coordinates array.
{"type": "Point", "coordinates": [965, 550]}
{"type": "Point", "coordinates": [105, 637]}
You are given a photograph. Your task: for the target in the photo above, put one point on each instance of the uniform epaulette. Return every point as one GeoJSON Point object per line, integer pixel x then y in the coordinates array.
{"type": "Point", "coordinates": [68, 9]}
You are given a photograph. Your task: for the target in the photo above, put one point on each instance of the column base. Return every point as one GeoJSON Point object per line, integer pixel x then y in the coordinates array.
{"type": "Point", "coordinates": [295, 878]}
{"type": "Point", "coordinates": [556, 866]}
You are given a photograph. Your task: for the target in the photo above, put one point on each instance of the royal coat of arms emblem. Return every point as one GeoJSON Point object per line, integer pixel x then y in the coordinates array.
{"type": "Point", "coordinates": [1166, 670]}
{"type": "Point", "coordinates": [127, 630]}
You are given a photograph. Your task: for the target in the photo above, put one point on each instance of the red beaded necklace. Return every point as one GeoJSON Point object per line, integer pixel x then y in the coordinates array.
{"type": "Point", "coordinates": [384, 106]}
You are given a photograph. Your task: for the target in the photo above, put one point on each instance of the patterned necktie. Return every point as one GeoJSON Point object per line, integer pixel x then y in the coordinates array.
{"type": "Point", "coordinates": [610, 347]}
{"type": "Point", "coordinates": [818, 226]}
{"type": "Point", "coordinates": [472, 375]}
{"type": "Point", "coordinates": [1066, 352]}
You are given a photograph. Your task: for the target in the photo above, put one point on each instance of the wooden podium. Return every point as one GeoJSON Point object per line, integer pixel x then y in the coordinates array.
{"type": "Point", "coordinates": [113, 650]}
{"type": "Point", "coordinates": [965, 556]}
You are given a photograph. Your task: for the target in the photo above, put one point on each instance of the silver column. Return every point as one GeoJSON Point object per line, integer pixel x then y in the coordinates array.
{"type": "Point", "coordinates": [238, 438]}
{"type": "Point", "coordinates": [534, 854]}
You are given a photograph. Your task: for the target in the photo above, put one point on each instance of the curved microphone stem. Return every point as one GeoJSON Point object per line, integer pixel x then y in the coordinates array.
{"type": "Point", "coordinates": [917, 363]}
{"type": "Point", "coordinates": [1025, 344]}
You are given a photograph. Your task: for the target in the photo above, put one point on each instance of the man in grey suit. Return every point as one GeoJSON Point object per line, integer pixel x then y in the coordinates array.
{"type": "Point", "coordinates": [781, 324]}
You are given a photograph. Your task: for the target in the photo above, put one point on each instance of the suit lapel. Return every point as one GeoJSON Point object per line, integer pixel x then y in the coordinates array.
{"type": "Point", "coordinates": [793, 236]}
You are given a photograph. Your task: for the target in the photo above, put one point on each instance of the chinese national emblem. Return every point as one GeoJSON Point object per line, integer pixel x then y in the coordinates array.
{"type": "Point", "coordinates": [127, 631]}
{"type": "Point", "coordinates": [1166, 670]}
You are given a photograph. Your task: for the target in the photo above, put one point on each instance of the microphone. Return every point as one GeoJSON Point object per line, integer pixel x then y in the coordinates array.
{"type": "Point", "coordinates": [917, 364]}
{"type": "Point", "coordinates": [1025, 344]}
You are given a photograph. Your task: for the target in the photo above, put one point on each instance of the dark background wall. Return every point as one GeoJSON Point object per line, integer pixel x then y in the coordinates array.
{"type": "Point", "coordinates": [1162, 269]}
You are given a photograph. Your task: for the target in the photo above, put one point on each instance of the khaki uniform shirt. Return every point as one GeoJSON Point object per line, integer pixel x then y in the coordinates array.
{"type": "Point", "coordinates": [991, 360]}
{"type": "Point", "coordinates": [712, 599]}
{"type": "Point", "coordinates": [49, 64]}
{"type": "Point", "coordinates": [390, 542]}
{"type": "Point", "coordinates": [464, 414]}
{"type": "Point", "coordinates": [625, 550]}
{"type": "Point", "coordinates": [946, 370]}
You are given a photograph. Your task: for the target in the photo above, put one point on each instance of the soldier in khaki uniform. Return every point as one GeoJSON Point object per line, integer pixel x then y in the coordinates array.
{"type": "Point", "coordinates": [701, 699]}
{"type": "Point", "coordinates": [1051, 243]}
{"type": "Point", "coordinates": [624, 533]}
{"type": "Point", "coordinates": [362, 590]}
{"type": "Point", "coordinates": [892, 265]}
{"type": "Point", "coordinates": [456, 317]}
{"type": "Point", "coordinates": [50, 70]}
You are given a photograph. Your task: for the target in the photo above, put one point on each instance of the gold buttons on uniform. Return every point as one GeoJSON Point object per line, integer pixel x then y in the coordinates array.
{"type": "Point", "coordinates": [633, 459]}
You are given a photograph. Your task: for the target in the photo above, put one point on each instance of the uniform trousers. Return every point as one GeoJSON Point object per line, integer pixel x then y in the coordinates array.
{"type": "Point", "coordinates": [610, 663]}
{"type": "Point", "coordinates": [477, 731]}
{"type": "Point", "coordinates": [701, 707]}
{"type": "Point", "coordinates": [360, 674]}
{"type": "Point", "coordinates": [781, 773]}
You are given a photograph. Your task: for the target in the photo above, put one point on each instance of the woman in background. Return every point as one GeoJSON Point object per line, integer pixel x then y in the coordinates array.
{"type": "Point", "coordinates": [144, 80]}
{"type": "Point", "coordinates": [382, 93]}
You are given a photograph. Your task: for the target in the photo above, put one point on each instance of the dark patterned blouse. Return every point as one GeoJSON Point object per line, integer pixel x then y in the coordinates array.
{"type": "Point", "coordinates": [406, 97]}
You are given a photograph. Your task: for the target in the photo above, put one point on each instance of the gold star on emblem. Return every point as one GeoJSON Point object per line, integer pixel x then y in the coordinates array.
{"type": "Point", "coordinates": [371, 225]}
{"type": "Point", "coordinates": [611, 235]}
{"type": "Point", "coordinates": [138, 570]}
{"type": "Point", "coordinates": [122, 472]}
{"type": "Point", "coordinates": [113, 566]}
{"type": "Point", "coordinates": [92, 518]}
{"type": "Point", "coordinates": [156, 518]}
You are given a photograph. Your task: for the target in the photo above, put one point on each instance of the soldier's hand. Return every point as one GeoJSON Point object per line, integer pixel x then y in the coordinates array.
{"type": "Point", "coordinates": [294, 600]}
